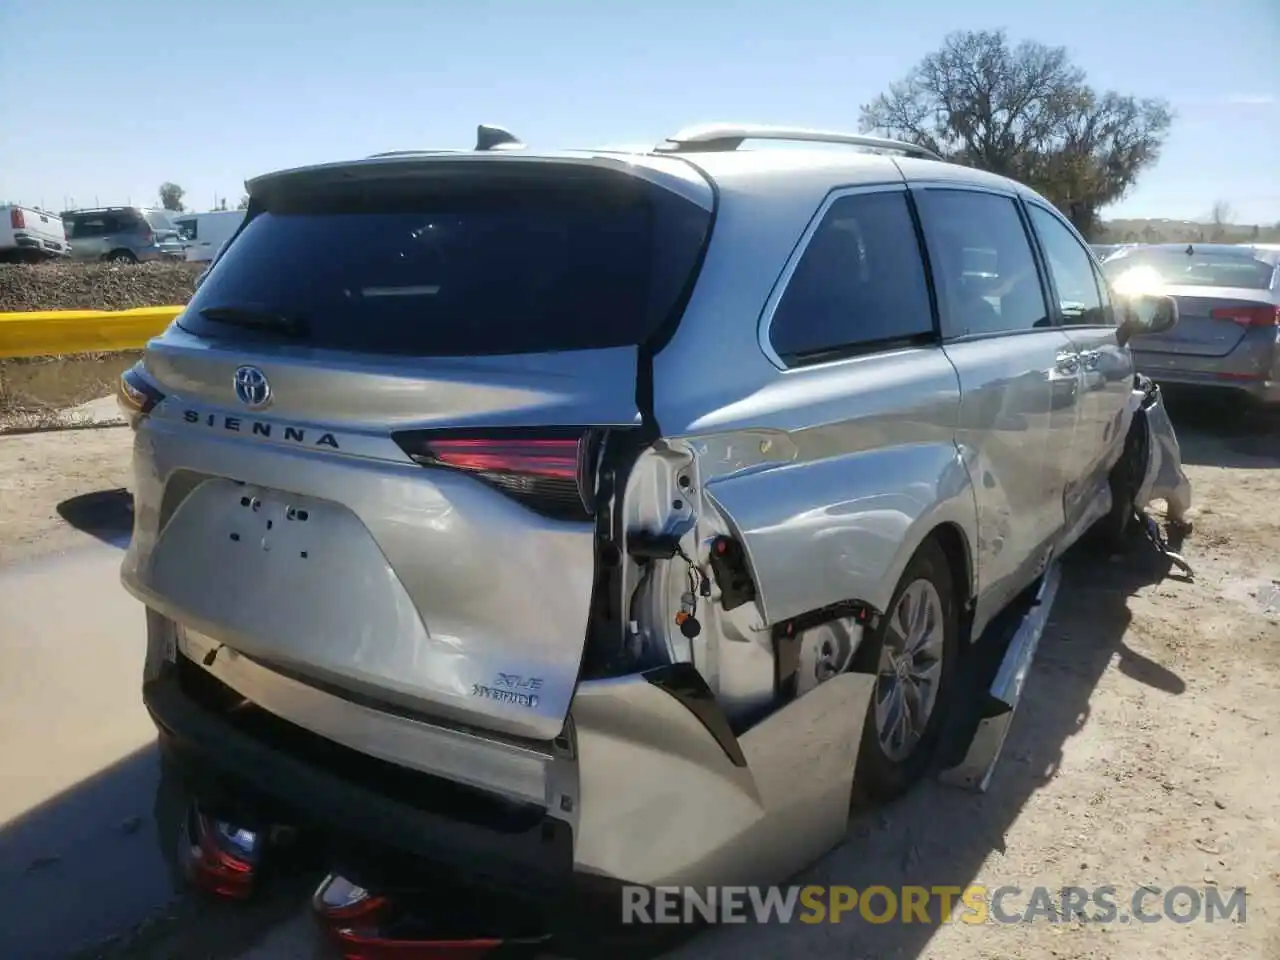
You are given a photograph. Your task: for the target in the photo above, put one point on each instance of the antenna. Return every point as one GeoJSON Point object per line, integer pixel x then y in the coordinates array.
{"type": "Point", "coordinates": [496, 138]}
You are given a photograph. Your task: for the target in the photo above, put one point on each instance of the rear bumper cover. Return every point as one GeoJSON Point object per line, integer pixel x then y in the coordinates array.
{"type": "Point", "coordinates": [226, 767]}
{"type": "Point", "coordinates": [1218, 373]}
{"type": "Point", "coordinates": [652, 791]}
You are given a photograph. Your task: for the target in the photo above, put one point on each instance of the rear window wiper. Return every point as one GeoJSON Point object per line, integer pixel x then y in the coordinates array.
{"type": "Point", "coordinates": [252, 319]}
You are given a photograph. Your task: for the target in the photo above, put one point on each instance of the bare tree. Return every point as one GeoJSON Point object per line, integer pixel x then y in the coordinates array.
{"type": "Point", "coordinates": [1220, 219]}
{"type": "Point", "coordinates": [1025, 112]}
{"type": "Point", "coordinates": [171, 196]}
{"type": "Point", "coordinates": [244, 203]}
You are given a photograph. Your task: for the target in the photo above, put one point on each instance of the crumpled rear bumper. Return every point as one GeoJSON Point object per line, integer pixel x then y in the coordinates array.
{"type": "Point", "coordinates": [653, 789]}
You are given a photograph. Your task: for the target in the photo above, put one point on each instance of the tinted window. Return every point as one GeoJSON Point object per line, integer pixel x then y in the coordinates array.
{"type": "Point", "coordinates": [982, 263]}
{"type": "Point", "coordinates": [859, 281]}
{"type": "Point", "coordinates": [1072, 270]}
{"type": "Point", "coordinates": [461, 266]}
{"type": "Point", "coordinates": [1104, 290]}
{"type": "Point", "coordinates": [1196, 268]}
{"type": "Point", "coordinates": [81, 228]}
{"type": "Point", "coordinates": [188, 229]}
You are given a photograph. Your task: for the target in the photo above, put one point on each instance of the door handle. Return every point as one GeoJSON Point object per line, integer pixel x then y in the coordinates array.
{"type": "Point", "coordinates": [1068, 362]}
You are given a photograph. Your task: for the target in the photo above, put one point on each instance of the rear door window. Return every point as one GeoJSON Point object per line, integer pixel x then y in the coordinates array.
{"type": "Point", "coordinates": [982, 263]}
{"type": "Point", "coordinates": [859, 284]}
{"type": "Point", "coordinates": [82, 228]}
{"type": "Point", "coordinates": [462, 266]}
{"type": "Point", "coordinates": [1074, 275]}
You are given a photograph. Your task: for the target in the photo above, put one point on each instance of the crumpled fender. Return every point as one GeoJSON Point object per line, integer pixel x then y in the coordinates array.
{"type": "Point", "coordinates": [666, 800]}
{"type": "Point", "coordinates": [1164, 478]}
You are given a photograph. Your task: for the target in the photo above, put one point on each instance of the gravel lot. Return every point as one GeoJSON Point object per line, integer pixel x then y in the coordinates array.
{"type": "Point", "coordinates": [1143, 754]}
{"type": "Point", "coordinates": [95, 286]}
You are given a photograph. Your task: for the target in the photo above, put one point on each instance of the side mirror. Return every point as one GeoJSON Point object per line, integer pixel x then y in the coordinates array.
{"type": "Point", "coordinates": [1145, 314]}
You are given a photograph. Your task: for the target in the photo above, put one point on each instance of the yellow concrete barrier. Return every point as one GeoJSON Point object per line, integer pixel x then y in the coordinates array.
{"type": "Point", "coordinates": [43, 333]}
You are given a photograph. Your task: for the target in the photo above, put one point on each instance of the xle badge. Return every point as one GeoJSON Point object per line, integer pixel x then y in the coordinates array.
{"type": "Point", "coordinates": [510, 688]}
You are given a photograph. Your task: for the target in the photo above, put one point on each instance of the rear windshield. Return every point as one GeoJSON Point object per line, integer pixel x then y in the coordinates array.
{"type": "Point", "coordinates": [560, 262]}
{"type": "Point", "coordinates": [1197, 269]}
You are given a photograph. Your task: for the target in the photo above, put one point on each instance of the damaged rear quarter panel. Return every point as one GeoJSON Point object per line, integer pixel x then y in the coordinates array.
{"type": "Point", "coordinates": [868, 468]}
{"type": "Point", "coordinates": [864, 465]}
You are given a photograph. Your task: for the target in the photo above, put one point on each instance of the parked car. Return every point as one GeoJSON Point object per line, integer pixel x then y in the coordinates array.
{"type": "Point", "coordinates": [1228, 296]}
{"type": "Point", "coordinates": [205, 233]}
{"type": "Point", "coordinates": [28, 235]}
{"type": "Point", "coordinates": [1104, 250]}
{"type": "Point", "coordinates": [171, 244]}
{"type": "Point", "coordinates": [612, 514]}
{"type": "Point", "coordinates": [118, 234]}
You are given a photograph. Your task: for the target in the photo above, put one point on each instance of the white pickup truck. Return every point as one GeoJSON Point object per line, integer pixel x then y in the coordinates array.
{"type": "Point", "coordinates": [28, 235]}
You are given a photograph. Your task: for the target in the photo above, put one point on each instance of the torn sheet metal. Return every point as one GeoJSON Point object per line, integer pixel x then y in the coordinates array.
{"type": "Point", "coordinates": [1164, 478]}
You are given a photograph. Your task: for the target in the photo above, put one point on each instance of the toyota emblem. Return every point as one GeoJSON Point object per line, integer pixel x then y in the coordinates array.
{"type": "Point", "coordinates": [252, 388]}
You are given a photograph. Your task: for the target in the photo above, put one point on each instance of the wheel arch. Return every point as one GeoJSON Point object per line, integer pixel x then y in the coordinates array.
{"type": "Point", "coordinates": [959, 554]}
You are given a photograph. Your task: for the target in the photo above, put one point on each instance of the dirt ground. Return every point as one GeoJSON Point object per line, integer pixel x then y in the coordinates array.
{"type": "Point", "coordinates": [1143, 754]}
{"type": "Point", "coordinates": [36, 391]}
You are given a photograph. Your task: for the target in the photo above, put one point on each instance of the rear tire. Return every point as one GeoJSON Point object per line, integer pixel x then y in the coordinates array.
{"type": "Point", "coordinates": [913, 653]}
{"type": "Point", "coordinates": [1111, 533]}
{"type": "Point", "coordinates": [120, 256]}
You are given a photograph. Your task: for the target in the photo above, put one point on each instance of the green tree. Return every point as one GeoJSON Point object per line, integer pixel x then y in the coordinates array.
{"type": "Point", "coordinates": [171, 196]}
{"type": "Point", "coordinates": [1025, 112]}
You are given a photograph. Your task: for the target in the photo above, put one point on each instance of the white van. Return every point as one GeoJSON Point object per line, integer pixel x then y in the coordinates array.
{"type": "Point", "coordinates": [205, 233]}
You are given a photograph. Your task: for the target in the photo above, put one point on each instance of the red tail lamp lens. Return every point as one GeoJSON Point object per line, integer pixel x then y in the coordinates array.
{"type": "Point", "coordinates": [1261, 315]}
{"type": "Point", "coordinates": [537, 458]}
{"type": "Point", "coordinates": [548, 470]}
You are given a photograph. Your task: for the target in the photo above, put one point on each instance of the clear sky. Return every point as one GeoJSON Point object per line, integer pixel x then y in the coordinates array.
{"type": "Point", "coordinates": [104, 101]}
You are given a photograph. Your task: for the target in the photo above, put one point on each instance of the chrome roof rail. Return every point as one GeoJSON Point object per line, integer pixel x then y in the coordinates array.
{"type": "Point", "coordinates": [719, 137]}
{"type": "Point", "coordinates": [409, 153]}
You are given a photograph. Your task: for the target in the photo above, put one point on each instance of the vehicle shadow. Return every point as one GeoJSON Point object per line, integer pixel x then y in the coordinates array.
{"type": "Point", "coordinates": [79, 872]}
{"type": "Point", "coordinates": [104, 514]}
{"type": "Point", "coordinates": [940, 836]}
{"type": "Point", "coordinates": [83, 864]}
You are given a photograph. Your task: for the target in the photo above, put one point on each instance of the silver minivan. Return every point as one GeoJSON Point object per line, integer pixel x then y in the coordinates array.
{"type": "Point", "coordinates": [121, 235]}
{"type": "Point", "coordinates": [554, 514]}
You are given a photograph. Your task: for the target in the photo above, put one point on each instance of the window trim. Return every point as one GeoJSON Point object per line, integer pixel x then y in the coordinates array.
{"type": "Point", "coordinates": [1094, 263]}
{"type": "Point", "coordinates": [1042, 268]}
{"type": "Point", "coordinates": [764, 327]}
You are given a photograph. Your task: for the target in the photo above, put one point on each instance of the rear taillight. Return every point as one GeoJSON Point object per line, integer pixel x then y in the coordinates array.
{"type": "Point", "coordinates": [369, 927]}
{"type": "Point", "coordinates": [136, 395]}
{"type": "Point", "coordinates": [1261, 315]}
{"type": "Point", "coordinates": [16, 220]}
{"type": "Point", "coordinates": [219, 857]}
{"type": "Point", "coordinates": [548, 470]}
{"type": "Point", "coordinates": [147, 234]}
